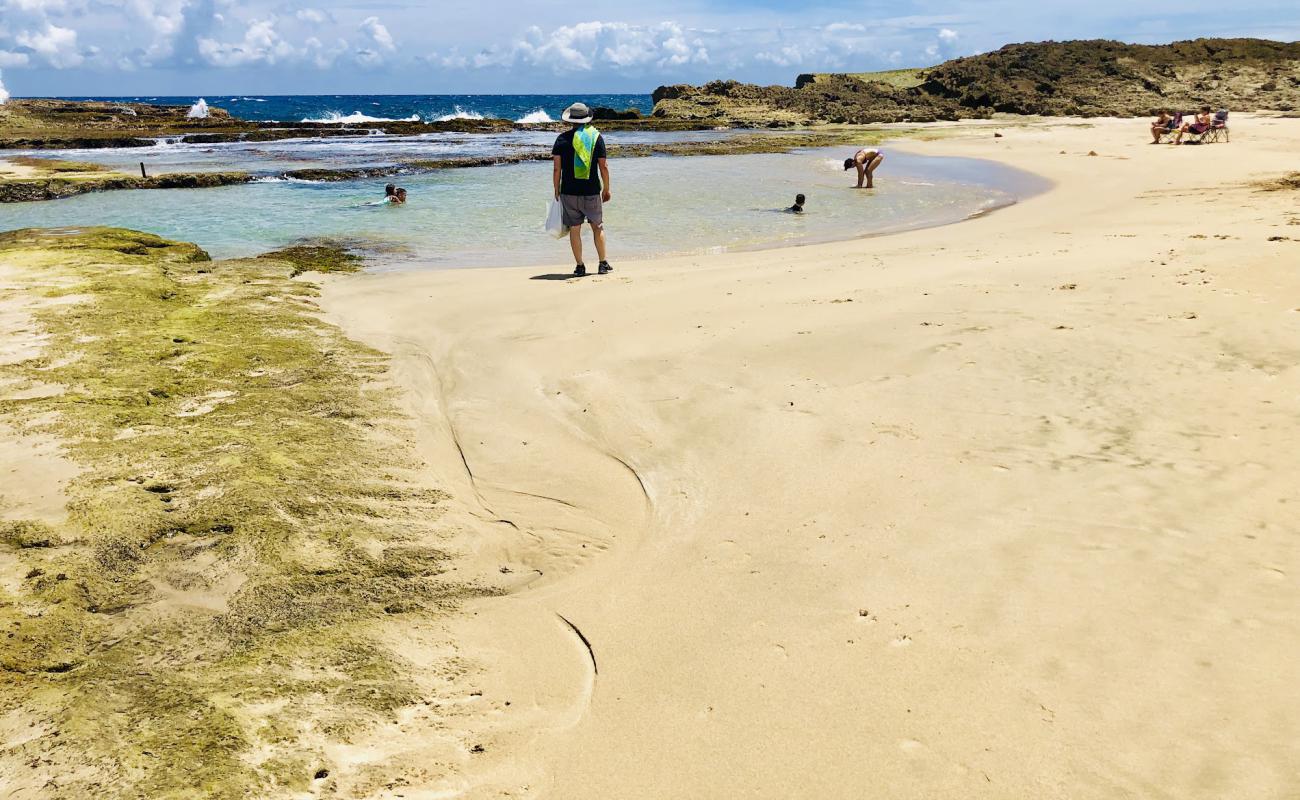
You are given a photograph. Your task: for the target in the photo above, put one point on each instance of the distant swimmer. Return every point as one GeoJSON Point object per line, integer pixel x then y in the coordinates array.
{"type": "Point", "coordinates": [866, 160]}
{"type": "Point", "coordinates": [797, 208]}
{"type": "Point", "coordinates": [390, 193]}
{"type": "Point", "coordinates": [400, 196]}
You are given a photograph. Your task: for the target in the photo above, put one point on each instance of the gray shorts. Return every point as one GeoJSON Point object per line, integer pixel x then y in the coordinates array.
{"type": "Point", "coordinates": [582, 208]}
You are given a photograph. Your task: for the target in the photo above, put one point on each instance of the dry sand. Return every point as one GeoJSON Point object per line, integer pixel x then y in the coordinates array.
{"type": "Point", "coordinates": [1005, 509]}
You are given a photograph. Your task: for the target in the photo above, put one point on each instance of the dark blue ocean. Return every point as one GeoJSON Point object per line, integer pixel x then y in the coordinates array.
{"type": "Point", "coordinates": [424, 107]}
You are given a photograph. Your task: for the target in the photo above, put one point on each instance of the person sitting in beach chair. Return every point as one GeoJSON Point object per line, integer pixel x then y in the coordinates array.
{"type": "Point", "coordinates": [1165, 125]}
{"type": "Point", "coordinates": [1197, 128]}
{"type": "Point", "coordinates": [1218, 127]}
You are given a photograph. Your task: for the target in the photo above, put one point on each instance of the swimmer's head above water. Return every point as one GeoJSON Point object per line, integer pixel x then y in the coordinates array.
{"type": "Point", "coordinates": [797, 208]}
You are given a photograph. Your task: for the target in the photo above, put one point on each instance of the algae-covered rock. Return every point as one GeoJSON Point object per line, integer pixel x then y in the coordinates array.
{"type": "Point", "coordinates": [319, 257]}
{"type": "Point", "coordinates": [206, 622]}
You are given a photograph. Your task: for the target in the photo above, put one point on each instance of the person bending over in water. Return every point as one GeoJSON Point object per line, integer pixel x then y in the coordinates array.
{"type": "Point", "coordinates": [797, 208]}
{"type": "Point", "coordinates": [866, 160]}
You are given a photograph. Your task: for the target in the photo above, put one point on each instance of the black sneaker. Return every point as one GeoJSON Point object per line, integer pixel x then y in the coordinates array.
{"type": "Point", "coordinates": [605, 267]}
{"type": "Point", "coordinates": [580, 271]}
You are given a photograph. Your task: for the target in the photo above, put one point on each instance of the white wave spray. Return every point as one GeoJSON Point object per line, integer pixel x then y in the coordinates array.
{"type": "Point", "coordinates": [4, 93]}
{"type": "Point", "coordinates": [534, 117]}
{"type": "Point", "coordinates": [357, 116]}
{"type": "Point", "coordinates": [199, 110]}
{"type": "Point", "coordinates": [459, 113]}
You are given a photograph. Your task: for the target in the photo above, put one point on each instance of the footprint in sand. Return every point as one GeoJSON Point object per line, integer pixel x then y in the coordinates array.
{"type": "Point", "coordinates": [901, 641]}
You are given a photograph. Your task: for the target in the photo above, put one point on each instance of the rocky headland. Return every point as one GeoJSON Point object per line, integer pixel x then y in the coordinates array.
{"type": "Point", "coordinates": [1076, 78]}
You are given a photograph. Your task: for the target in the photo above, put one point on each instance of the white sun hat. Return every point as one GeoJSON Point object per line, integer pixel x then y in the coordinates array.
{"type": "Point", "coordinates": [577, 113]}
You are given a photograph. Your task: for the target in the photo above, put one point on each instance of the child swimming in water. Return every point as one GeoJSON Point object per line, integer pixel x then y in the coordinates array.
{"type": "Point", "coordinates": [797, 208]}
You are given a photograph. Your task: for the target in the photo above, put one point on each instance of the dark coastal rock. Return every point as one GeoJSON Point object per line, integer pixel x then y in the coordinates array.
{"type": "Point", "coordinates": [71, 143]}
{"type": "Point", "coordinates": [604, 113]}
{"type": "Point", "coordinates": [1106, 78]}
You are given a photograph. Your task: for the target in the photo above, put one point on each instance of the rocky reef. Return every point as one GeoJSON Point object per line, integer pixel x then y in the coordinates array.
{"type": "Point", "coordinates": [1075, 78]}
{"type": "Point", "coordinates": [68, 124]}
{"type": "Point", "coordinates": [24, 179]}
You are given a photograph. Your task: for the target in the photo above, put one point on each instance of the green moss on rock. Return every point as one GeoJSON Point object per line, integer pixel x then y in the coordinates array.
{"type": "Point", "coordinates": [317, 257]}
{"type": "Point", "coordinates": [207, 613]}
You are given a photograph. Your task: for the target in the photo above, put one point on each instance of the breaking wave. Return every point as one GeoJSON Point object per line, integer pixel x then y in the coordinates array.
{"type": "Point", "coordinates": [459, 113]}
{"type": "Point", "coordinates": [535, 117]}
{"type": "Point", "coordinates": [357, 116]}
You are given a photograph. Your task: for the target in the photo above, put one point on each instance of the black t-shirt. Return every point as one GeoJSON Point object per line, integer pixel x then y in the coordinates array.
{"type": "Point", "coordinates": [568, 183]}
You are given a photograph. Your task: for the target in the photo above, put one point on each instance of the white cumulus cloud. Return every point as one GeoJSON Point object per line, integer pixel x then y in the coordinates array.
{"type": "Point", "coordinates": [261, 45]}
{"type": "Point", "coordinates": [372, 27]}
{"type": "Point", "coordinates": [589, 46]}
{"type": "Point", "coordinates": [57, 45]}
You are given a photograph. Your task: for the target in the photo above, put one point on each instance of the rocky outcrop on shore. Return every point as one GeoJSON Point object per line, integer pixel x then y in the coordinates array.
{"type": "Point", "coordinates": [1077, 78]}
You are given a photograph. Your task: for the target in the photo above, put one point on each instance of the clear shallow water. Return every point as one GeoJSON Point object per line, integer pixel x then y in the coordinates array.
{"type": "Point", "coordinates": [427, 107]}
{"type": "Point", "coordinates": [493, 215]}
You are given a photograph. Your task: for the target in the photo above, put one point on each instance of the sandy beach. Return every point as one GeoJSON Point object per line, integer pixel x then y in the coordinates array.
{"type": "Point", "coordinates": [1002, 509]}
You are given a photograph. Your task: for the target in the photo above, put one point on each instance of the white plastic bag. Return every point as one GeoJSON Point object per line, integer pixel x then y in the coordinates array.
{"type": "Point", "coordinates": [555, 220]}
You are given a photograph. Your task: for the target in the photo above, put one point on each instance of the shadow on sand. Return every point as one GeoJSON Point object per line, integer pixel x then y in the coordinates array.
{"type": "Point", "coordinates": [553, 276]}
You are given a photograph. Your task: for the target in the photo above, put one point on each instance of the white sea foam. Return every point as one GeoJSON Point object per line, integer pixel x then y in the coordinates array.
{"type": "Point", "coordinates": [459, 113]}
{"type": "Point", "coordinates": [4, 93]}
{"type": "Point", "coordinates": [199, 110]}
{"type": "Point", "coordinates": [535, 117]}
{"type": "Point", "coordinates": [357, 116]}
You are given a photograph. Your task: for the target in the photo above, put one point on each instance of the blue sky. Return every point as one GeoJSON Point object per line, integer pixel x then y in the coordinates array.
{"type": "Point", "coordinates": [191, 47]}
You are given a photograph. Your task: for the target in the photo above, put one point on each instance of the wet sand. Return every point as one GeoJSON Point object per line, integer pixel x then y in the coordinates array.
{"type": "Point", "coordinates": [1001, 509]}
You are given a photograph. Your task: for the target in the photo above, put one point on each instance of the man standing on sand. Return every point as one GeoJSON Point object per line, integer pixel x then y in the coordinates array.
{"type": "Point", "coordinates": [577, 155]}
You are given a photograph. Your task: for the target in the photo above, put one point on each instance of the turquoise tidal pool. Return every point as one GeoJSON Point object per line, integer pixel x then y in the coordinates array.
{"type": "Point", "coordinates": [487, 216]}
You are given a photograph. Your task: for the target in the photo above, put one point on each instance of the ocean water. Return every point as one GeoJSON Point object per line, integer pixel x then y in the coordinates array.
{"type": "Point", "coordinates": [380, 107]}
{"type": "Point", "coordinates": [493, 215]}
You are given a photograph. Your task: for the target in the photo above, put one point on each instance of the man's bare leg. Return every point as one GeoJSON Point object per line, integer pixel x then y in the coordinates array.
{"type": "Point", "coordinates": [575, 243]}
{"type": "Point", "coordinates": [598, 235]}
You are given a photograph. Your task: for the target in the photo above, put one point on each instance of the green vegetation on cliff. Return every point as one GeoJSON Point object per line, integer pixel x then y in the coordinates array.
{"type": "Point", "coordinates": [208, 616]}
